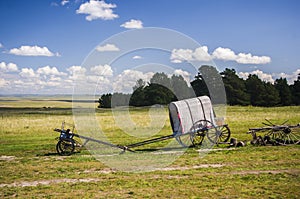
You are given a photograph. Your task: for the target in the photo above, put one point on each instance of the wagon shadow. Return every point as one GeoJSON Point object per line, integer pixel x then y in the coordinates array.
{"type": "Point", "coordinates": [54, 154]}
{"type": "Point", "coordinates": [161, 149]}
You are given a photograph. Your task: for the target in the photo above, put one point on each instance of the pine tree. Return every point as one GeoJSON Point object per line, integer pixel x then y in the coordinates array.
{"type": "Point", "coordinates": [235, 88]}
{"type": "Point", "coordinates": [256, 89]}
{"type": "Point", "coordinates": [295, 88]}
{"type": "Point", "coordinates": [284, 91]}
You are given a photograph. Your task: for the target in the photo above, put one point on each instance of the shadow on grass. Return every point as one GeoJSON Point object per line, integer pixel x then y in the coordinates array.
{"type": "Point", "coordinates": [56, 154]}
{"type": "Point", "coordinates": [162, 149]}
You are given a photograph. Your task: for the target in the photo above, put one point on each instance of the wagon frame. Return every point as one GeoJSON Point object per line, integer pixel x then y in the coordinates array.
{"type": "Point", "coordinates": [192, 120]}
{"type": "Point", "coordinates": [274, 134]}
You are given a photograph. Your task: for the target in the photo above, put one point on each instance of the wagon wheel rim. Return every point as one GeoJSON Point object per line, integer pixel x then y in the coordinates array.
{"type": "Point", "coordinates": [286, 136]}
{"type": "Point", "coordinates": [203, 128]}
{"type": "Point", "coordinates": [198, 132]}
{"type": "Point", "coordinates": [212, 133]}
{"type": "Point", "coordinates": [224, 133]}
{"type": "Point", "coordinates": [184, 140]}
{"type": "Point", "coordinates": [290, 136]}
{"type": "Point", "coordinates": [65, 147]}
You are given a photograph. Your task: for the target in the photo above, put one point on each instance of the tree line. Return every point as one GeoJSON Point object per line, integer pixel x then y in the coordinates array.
{"type": "Point", "coordinates": [162, 89]}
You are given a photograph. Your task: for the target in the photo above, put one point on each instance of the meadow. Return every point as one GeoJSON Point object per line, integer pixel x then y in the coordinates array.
{"type": "Point", "coordinates": [31, 168]}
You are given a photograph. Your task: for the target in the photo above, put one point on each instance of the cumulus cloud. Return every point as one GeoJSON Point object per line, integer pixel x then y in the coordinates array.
{"type": "Point", "coordinates": [261, 75]}
{"type": "Point", "coordinates": [242, 58]}
{"type": "Point", "coordinates": [3, 83]}
{"type": "Point", "coordinates": [27, 73]}
{"type": "Point", "coordinates": [10, 67]}
{"type": "Point", "coordinates": [107, 48]}
{"type": "Point", "coordinates": [224, 54]}
{"type": "Point", "coordinates": [125, 81]}
{"type": "Point", "coordinates": [271, 77]}
{"type": "Point", "coordinates": [102, 70]}
{"type": "Point", "coordinates": [76, 70]}
{"type": "Point", "coordinates": [1, 46]}
{"type": "Point", "coordinates": [133, 24]}
{"type": "Point", "coordinates": [199, 54]}
{"type": "Point", "coordinates": [290, 77]}
{"type": "Point", "coordinates": [32, 51]}
{"type": "Point", "coordinates": [47, 70]}
{"type": "Point", "coordinates": [136, 57]}
{"type": "Point", "coordinates": [186, 75]}
{"type": "Point", "coordinates": [97, 10]}
{"type": "Point", "coordinates": [76, 73]}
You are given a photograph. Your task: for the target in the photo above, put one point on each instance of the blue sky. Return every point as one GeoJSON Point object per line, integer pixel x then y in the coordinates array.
{"type": "Point", "coordinates": [44, 44]}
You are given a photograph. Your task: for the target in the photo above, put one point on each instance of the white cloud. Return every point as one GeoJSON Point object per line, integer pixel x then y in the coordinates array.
{"type": "Point", "coordinates": [179, 55]}
{"type": "Point", "coordinates": [10, 67]}
{"type": "Point", "coordinates": [102, 70]}
{"type": "Point", "coordinates": [1, 46]}
{"type": "Point", "coordinates": [107, 47]}
{"type": "Point", "coordinates": [32, 51]}
{"type": "Point", "coordinates": [242, 58]}
{"type": "Point", "coordinates": [54, 78]}
{"type": "Point", "coordinates": [77, 73]}
{"type": "Point", "coordinates": [244, 75]}
{"type": "Point", "coordinates": [290, 77]}
{"type": "Point", "coordinates": [176, 61]}
{"type": "Point", "coordinates": [27, 73]}
{"type": "Point", "coordinates": [263, 76]}
{"type": "Point", "coordinates": [3, 83]}
{"type": "Point", "coordinates": [224, 54]}
{"type": "Point", "coordinates": [76, 70]}
{"type": "Point", "coordinates": [133, 24]}
{"type": "Point", "coordinates": [271, 77]}
{"type": "Point", "coordinates": [64, 2]}
{"type": "Point", "coordinates": [47, 70]}
{"type": "Point", "coordinates": [186, 75]}
{"type": "Point", "coordinates": [199, 54]}
{"type": "Point", "coordinates": [97, 10]}
{"type": "Point", "coordinates": [125, 81]}
{"type": "Point", "coordinates": [136, 57]}
{"type": "Point", "coordinates": [95, 80]}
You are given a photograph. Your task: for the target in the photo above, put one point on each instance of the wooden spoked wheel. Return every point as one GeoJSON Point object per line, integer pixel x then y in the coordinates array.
{"type": "Point", "coordinates": [223, 133]}
{"type": "Point", "coordinates": [65, 147]}
{"type": "Point", "coordinates": [184, 140]}
{"type": "Point", "coordinates": [201, 129]}
{"type": "Point", "coordinates": [284, 135]}
{"type": "Point", "coordinates": [196, 133]}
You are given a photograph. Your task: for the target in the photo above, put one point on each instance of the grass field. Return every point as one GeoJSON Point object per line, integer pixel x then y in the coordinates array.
{"type": "Point", "coordinates": [30, 167]}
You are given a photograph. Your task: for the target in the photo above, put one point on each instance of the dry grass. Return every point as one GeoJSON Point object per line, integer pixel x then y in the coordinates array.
{"type": "Point", "coordinates": [28, 157]}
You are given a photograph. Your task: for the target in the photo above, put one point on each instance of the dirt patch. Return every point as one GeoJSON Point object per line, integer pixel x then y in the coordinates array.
{"type": "Point", "coordinates": [108, 171]}
{"type": "Point", "coordinates": [256, 172]}
{"type": "Point", "coordinates": [217, 149]}
{"type": "Point", "coordinates": [7, 158]}
{"type": "Point", "coordinates": [187, 168]}
{"type": "Point", "coordinates": [104, 171]}
{"type": "Point", "coordinates": [47, 182]}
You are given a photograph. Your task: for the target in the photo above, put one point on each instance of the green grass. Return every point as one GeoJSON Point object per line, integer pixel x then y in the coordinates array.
{"type": "Point", "coordinates": [27, 136]}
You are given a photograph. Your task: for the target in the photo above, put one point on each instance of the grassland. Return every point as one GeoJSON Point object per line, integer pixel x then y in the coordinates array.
{"type": "Point", "coordinates": [30, 167]}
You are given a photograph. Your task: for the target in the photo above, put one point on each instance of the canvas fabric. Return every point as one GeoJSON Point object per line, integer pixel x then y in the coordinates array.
{"type": "Point", "coordinates": [184, 113]}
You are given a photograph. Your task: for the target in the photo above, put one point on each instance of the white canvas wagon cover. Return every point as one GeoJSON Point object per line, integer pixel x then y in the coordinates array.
{"type": "Point", "coordinates": [184, 113]}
